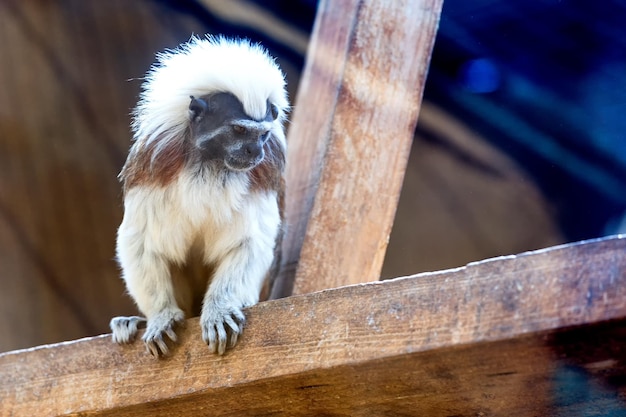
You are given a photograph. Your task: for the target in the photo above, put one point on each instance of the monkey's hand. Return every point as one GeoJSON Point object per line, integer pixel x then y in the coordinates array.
{"type": "Point", "coordinates": [222, 323]}
{"type": "Point", "coordinates": [159, 325]}
{"type": "Point", "coordinates": [125, 328]}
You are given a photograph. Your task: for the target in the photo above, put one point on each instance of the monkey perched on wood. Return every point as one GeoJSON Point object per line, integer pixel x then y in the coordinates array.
{"type": "Point", "coordinates": [203, 180]}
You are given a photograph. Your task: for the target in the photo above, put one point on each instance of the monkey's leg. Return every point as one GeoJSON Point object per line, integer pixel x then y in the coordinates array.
{"type": "Point", "coordinates": [125, 328]}
{"type": "Point", "coordinates": [236, 284]}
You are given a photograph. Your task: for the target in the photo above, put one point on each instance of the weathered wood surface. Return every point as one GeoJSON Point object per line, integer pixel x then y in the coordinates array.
{"type": "Point", "coordinates": [483, 340]}
{"type": "Point", "coordinates": [351, 134]}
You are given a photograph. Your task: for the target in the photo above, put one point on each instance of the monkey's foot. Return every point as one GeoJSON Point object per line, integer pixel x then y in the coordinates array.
{"type": "Point", "coordinates": [159, 325]}
{"type": "Point", "coordinates": [125, 328]}
{"type": "Point", "coordinates": [221, 326]}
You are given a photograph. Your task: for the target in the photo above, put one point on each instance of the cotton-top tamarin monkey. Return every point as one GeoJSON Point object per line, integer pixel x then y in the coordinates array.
{"type": "Point", "coordinates": [203, 180]}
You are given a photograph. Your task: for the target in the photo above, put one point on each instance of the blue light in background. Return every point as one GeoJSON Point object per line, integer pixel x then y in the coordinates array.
{"type": "Point", "coordinates": [480, 76]}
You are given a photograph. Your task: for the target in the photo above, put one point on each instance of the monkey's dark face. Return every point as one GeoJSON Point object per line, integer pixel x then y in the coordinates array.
{"type": "Point", "coordinates": [223, 132]}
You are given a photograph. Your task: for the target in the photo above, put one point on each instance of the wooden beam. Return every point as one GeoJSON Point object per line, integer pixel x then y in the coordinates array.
{"type": "Point", "coordinates": [491, 338]}
{"type": "Point", "coordinates": [349, 142]}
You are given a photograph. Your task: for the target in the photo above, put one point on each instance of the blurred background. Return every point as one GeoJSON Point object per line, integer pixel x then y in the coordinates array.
{"type": "Point", "coordinates": [521, 142]}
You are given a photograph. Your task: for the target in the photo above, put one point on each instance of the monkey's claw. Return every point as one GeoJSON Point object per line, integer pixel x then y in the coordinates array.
{"type": "Point", "coordinates": [160, 325]}
{"type": "Point", "coordinates": [221, 327]}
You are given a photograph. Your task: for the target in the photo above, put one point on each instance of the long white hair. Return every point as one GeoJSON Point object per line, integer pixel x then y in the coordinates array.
{"type": "Point", "coordinates": [203, 66]}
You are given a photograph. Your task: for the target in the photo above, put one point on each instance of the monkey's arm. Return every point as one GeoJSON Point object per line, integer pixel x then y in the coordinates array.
{"type": "Point", "coordinates": [241, 270]}
{"type": "Point", "coordinates": [144, 257]}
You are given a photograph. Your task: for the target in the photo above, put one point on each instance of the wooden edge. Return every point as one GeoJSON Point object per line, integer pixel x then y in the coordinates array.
{"type": "Point", "coordinates": [350, 139]}
{"type": "Point", "coordinates": [330, 332]}
{"type": "Point", "coordinates": [314, 106]}
{"type": "Point", "coordinates": [574, 372]}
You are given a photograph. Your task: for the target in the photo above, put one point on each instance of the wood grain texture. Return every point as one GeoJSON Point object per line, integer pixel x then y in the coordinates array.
{"type": "Point", "coordinates": [352, 128]}
{"type": "Point", "coordinates": [487, 338]}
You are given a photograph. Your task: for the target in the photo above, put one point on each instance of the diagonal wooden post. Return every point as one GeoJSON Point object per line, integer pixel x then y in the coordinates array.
{"type": "Point", "coordinates": [349, 142]}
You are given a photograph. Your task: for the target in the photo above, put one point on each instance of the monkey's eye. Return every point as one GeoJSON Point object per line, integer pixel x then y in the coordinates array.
{"type": "Point", "coordinates": [274, 111]}
{"type": "Point", "coordinates": [239, 129]}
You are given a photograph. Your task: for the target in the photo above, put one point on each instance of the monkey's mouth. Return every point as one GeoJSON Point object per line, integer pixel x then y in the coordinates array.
{"type": "Point", "coordinates": [242, 164]}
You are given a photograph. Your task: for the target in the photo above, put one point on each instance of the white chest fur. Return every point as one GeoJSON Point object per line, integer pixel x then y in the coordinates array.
{"type": "Point", "coordinates": [217, 211]}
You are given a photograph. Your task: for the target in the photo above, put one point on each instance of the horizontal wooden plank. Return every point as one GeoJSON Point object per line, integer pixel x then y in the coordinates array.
{"type": "Point", "coordinates": [486, 338]}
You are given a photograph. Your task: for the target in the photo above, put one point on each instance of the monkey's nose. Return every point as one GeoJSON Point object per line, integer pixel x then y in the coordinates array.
{"type": "Point", "coordinates": [253, 149]}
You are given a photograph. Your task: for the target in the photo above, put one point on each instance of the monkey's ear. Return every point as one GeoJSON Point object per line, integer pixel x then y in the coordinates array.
{"type": "Point", "coordinates": [272, 110]}
{"type": "Point", "coordinates": [197, 108]}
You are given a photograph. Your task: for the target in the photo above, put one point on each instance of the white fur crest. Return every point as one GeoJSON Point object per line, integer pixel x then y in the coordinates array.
{"type": "Point", "coordinates": [203, 66]}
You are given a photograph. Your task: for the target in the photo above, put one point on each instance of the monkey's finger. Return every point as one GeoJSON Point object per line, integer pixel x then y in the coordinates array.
{"type": "Point", "coordinates": [222, 338]}
{"type": "Point", "coordinates": [162, 346]}
{"type": "Point", "coordinates": [241, 318]}
{"type": "Point", "coordinates": [232, 324]}
{"type": "Point", "coordinates": [234, 331]}
{"type": "Point", "coordinates": [152, 349]}
{"type": "Point", "coordinates": [233, 339]}
{"type": "Point", "coordinates": [155, 344]}
{"type": "Point", "coordinates": [171, 334]}
{"type": "Point", "coordinates": [209, 337]}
